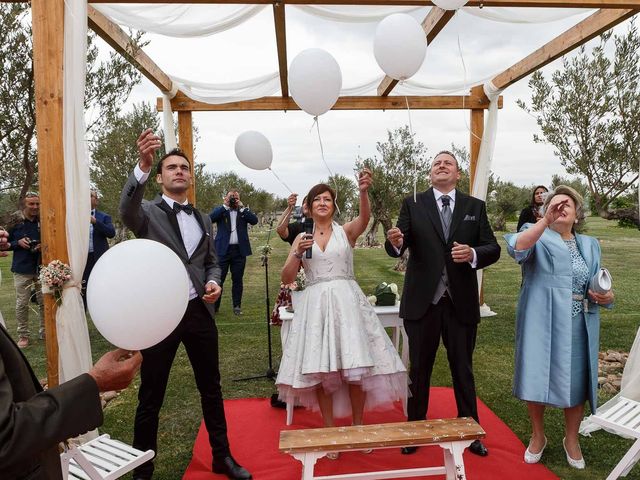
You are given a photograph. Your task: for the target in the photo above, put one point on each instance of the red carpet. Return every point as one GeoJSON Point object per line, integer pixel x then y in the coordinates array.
{"type": "Point", "coordinates": [254, 430]}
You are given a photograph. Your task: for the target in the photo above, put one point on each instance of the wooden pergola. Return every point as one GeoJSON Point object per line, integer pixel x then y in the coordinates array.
{"type": "Point", "coordinates": [48, 40]}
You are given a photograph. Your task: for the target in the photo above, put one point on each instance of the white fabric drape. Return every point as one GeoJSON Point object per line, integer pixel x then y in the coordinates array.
{"type": "Point", "coordinates": [630, 388]}
{"type": "Point", "coordinates": [524, 15]}
{"type": "Point", "coordinates": [71, 324]}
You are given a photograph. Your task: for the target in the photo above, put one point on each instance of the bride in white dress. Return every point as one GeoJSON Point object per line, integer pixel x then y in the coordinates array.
{"type": "Point", "coordinates": [337, 356]}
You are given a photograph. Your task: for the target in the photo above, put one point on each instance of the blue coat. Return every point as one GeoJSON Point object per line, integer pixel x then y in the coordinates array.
{"type": "Point", "coordinates": [221, 217]}
{"type": "Point", "coordinates": [102, 229]}
{"type": "Point", "coordinates": [543, 319]}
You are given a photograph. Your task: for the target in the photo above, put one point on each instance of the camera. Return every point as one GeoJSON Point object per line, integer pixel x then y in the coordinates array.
{"type": "Point", "coordinates": [33, 245]}
{"type": "Point", "coordinates": [233, 202]}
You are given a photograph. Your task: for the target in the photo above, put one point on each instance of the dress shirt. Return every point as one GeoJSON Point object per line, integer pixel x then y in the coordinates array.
{"type": "Point", "coordinates": [233, 216]}
{"type": "Point", "coordinates": [189, 227]}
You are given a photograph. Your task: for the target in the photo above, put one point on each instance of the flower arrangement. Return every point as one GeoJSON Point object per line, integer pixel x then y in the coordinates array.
{"type": "Point", "coordinates": [385, 294]}
{"type": "Point", "coordinates": [300, 282]}
{"type": "Point", "coordinates": [265, 252]}
{"type": "Point", "coordinates": [53, 277]}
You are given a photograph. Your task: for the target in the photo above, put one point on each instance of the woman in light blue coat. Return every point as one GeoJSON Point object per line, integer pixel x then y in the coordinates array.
{"type": "Point", "coordinates": [558, 320]}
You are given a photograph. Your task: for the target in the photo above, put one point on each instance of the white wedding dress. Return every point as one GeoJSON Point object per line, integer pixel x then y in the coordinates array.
{"type": "Point", "coordinates": [336, 338]}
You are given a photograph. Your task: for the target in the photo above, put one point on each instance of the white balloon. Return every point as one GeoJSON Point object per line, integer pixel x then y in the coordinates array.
{"type": "Point", "coordinates": [137, 293]}
{"type": "Point", "coordinates": [315, 81]}
{"type": "Point", "coordinates": [450, 4]}
{"type": "Point", "coordinates": [253, 150]}
{"type": "Point", "coordinates": [399, 46]}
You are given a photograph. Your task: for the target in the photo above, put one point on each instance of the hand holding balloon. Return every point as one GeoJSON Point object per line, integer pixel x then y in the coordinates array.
{"type": "Point", "coordinates": [212, 292]}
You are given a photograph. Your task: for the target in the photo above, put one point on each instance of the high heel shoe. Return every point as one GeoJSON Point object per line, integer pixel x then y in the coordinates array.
{"type": "Point", "coordinates": [579, 464]}
{"type": "Point", "coordinates": [530, 457]}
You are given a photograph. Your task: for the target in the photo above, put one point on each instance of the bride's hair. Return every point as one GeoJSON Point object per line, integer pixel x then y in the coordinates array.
{"type": "Point", "coordinates": [317, 190]}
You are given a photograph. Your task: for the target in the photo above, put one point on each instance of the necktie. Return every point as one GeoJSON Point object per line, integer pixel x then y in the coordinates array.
{"type": "Point", "coordinates": [177, 208]}
{"type": "Point", "coordinates": [446, 214]}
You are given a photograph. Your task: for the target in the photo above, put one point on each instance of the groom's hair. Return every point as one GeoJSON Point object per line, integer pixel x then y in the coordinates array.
{"type": "Point", "coordinates": [173, 152]}
{"type": "Point", "coordinates": [317, 190]}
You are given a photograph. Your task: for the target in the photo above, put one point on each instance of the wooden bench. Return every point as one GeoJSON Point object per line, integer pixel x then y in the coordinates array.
{"type": "Point", "coordinates": [101, 459]}
{"type": "Point", "coordinates": [452, 434]}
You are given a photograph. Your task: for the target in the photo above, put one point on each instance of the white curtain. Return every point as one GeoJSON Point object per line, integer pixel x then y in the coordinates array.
{"type": "Point", "coordinates": [71, 324]}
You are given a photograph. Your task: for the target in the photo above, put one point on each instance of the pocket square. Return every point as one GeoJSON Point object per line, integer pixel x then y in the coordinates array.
{"type": "Point", "coordinates": [469, 218]}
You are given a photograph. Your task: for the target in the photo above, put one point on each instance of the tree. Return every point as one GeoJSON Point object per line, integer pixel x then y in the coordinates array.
{"type": "Point", "coordinates": [108, 85]}
{"type": "Point", "coordinates": [347, 197]}
{"type": "Point", "coordinates": [393, 176]}
{"type": "Point", "coordinates": [114, 154]}
{"type": "Point", "coordinates": [590, 112]}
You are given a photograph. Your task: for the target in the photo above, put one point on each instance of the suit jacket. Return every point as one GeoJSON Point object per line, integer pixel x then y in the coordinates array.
{"type": "Point", "coordinates": [102, 230]}
{"type": "Point", "coordinates": [222, 218]}
{"type": "Point", "coordinates": [430, 253]}
{"type": "Point", "coordinates": [32, 421]}
{"type": "Point", "coordinates": [154, 220]}
{"type": "Point", "coordinates": [543, 319]}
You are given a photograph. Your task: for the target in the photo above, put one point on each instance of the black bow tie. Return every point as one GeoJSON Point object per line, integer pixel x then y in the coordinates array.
{"type": "Point", "coordinates": [177, 208]}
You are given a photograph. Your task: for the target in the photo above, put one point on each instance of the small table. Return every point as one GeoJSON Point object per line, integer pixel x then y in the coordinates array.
{"type": "Point", "coordinates": [389, 318]}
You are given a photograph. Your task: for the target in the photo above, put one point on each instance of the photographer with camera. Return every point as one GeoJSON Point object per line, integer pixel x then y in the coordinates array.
{"type": "Point", "coordinates": [232, 243]}
{"type": "Point", "coordinates": [24, 240]}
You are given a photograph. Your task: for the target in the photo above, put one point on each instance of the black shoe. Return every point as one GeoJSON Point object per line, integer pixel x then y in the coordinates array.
{"type": "Point", "coordinates": [276, 402]}
{"type": "Point", "coordinates": [408, 450]}
{"type": "Point", "coordinates": [231, 469]}
{"type": "Point", "coordinates": [237, 311]}
{"type": "Point", "coordinates": [478, 448]}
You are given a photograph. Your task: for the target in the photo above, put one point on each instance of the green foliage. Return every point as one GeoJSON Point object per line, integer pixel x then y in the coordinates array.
{"type": "Point", "coordinates": [590, 112]}
{"type": "Point", "coordinates": [108, 84]}
{"type": "Point", "coordinates": [400, 159]}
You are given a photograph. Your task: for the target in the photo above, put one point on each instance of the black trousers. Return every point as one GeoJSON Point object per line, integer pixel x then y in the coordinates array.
{"type": "Point", "coordinates": [197, 331]}
{"type": "Point", "coordinates": [92, 258]}
{"type": "Point", "coordinates": [424, 339]}
{"type": "Point", "coordinates": [235, 261]}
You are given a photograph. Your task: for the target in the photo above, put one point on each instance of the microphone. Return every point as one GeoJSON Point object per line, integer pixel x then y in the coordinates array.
{"type": "Point", "coordinates": [308, 230]}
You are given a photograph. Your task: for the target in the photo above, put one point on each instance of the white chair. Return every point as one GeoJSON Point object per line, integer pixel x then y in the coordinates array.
{"type": "Point", "coordinates": [623, 419]}
{"type": "Point", "coordinates": [101, 459]}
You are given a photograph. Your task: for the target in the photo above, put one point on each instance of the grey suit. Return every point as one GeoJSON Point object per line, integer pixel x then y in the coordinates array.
{"type": "Point", "coordinates": [32, 422]}
{"type": "Point", "coordinates": [155, 220]}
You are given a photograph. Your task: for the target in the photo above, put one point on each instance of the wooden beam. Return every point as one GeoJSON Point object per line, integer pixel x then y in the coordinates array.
{"type": "Point", "coordinates": [419, 3]}
{"type": "Point", "coordinates": [591, 27]}
{"type": "Point", "coordinates": [432, 24]}
{"type": "Point", "coordinates": [185, 142]}
{"type": "Point", "coordinates": [281, 42]}
{"type": "Point", "coordinates": [475, 137]}
{"type": "Point", "coordinates": [123, 44]}
{"type": "Point", "coordinates": [445, 102]}
{"type": "Point", "coordinates": [48, 59]}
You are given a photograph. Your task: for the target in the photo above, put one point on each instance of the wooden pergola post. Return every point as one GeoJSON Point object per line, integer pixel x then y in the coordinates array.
{"type": "Point", "coordinates": [185, 142]}
{"type": "Point", "coordinates": [48, 46]}
{"type": "Point", "coordinates": [476, 132]}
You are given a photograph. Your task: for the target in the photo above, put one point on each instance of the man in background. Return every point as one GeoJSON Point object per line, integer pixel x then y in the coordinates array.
{"type": "Point", "coordinates": [100, 229]}
{"type": "Point", "coordinates": [24, 240]}
{"type": "Point", "coordinates": [232, 243]}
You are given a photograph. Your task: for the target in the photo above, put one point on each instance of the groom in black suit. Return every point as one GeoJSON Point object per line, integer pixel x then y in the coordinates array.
{"type": "Point", "coordinates": [170, 220]}
{"type": "Point", "coordinates": [448, 236]}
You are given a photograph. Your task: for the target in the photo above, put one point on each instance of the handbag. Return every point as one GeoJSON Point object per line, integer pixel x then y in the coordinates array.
{"type": "Point", "coordinates": [601, 282]}
{"type": "Point", "coordinates": [384, 295]}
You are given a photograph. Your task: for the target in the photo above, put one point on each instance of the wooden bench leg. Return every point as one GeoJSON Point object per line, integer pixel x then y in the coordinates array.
{"type": "Point", "coordinates": [453, 461]}
{"type": "Point", "coordinates": [308, 460]}
{"type": "Point", "coordinates": [626, 463]}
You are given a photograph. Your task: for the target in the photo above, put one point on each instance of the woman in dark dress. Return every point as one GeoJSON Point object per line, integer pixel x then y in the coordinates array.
{"type": "Point", "coordinates": [531, 214]}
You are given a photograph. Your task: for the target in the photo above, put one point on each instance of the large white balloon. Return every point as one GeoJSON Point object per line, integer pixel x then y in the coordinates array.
{"type": "Point", "coordinates": [253, 149]}
{"type": "Point", "coordinates": [450, 4]}
{"type": "Point", "coordinates": [315, 81]}
{"type": "Point", "coordinates": [137, 293]}
{"type": "Point", "coordinates": [399, 46]}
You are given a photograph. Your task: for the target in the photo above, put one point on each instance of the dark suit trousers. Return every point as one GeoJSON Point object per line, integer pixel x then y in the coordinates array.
{"type": "Point", "coordinates": [459, 339]}
{"type": "Point", "coordinates": [197, 331]}
{"type": "Point", "coordinates": [92, 258]}
{"type": "Point", "coordinates": [235, 261]}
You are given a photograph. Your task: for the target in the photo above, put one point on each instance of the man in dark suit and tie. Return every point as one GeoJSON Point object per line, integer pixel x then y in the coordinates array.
{"type": "Point", "coordinates": [170, 220]}
{"type": "Point", "coordinates": [100, 229]}
{"type": "Point", "coordinates": [449, 237]}
{"type": "Point", "coordinates": [232, 243]}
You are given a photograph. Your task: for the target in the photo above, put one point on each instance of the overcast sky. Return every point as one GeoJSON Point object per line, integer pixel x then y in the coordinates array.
{"type": "Point", "coordinates": [249, 51]}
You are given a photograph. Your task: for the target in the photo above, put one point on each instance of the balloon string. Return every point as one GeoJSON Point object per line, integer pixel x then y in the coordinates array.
{"type": "Point", "coordinates": [464, 85]}
{"type": "Point", "coordinates": [415, 161]}
{"type": "Point", "coordinates": [331, 176]}
{"type": "Point", "coordinates": [280, 180]}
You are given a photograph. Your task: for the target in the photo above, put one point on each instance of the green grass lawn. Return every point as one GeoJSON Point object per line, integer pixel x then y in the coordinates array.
{"type": "Point", "coordinates": [243, 351]}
